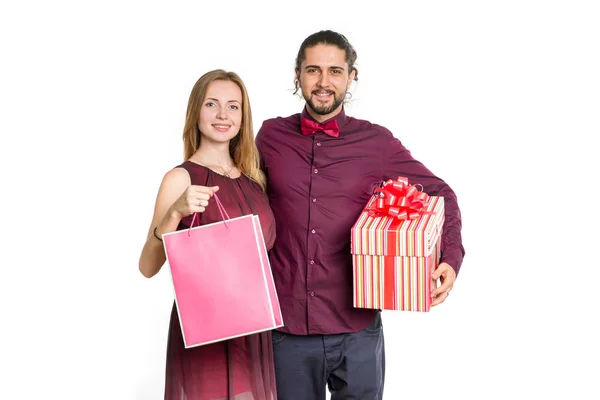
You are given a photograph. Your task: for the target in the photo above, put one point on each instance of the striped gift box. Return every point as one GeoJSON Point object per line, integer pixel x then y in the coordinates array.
{"type": "Point", "coordinates": [393, 258]}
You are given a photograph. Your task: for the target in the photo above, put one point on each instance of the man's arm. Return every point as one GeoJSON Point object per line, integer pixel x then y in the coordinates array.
{"type": "Point", "coordinates": [397, 161]}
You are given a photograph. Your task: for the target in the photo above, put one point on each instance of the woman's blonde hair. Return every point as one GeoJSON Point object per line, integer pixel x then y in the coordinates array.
{"type": "Point", "coordinates": [242, 148]}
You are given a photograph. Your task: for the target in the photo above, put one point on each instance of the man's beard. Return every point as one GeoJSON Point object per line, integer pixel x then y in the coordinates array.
{"type": "Point", "coordinates": [324, 110]}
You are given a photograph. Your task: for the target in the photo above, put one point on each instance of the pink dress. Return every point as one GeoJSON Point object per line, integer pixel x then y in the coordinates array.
{"type": "Point", "coordinates": [237, 369]}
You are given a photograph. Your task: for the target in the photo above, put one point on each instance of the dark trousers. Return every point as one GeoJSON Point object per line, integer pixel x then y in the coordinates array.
{"type": "Point", "coordinates": [352, 365]}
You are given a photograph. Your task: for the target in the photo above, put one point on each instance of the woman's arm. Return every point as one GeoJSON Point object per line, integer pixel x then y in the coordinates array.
{"type": "Point", "coordinates": [176, 199]}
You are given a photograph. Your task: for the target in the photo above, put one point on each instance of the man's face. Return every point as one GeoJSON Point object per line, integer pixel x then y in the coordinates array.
{"type": "Point", "coordinates": [324, 80]}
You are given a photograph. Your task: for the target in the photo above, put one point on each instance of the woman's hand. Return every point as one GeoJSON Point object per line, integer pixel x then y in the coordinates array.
{"type": "Point", "coordinates": [194, 199]}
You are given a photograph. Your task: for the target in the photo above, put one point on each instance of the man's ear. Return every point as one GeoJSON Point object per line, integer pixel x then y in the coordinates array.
{"type": "Point", "coordinates": [350, 79]}
{"type": "Point", "coordinates": [297, 81]}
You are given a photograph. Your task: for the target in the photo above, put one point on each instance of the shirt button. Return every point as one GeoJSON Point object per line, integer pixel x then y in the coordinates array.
{"type": "Point", "coordinates": [316, 171]}
{"type": "Point", "coordinates": [312, 262]}
{"type": "Point", "coordinates": [314, 200]}
{"type": "Point", "coordinates": [313, 231]}
{"type": "Point", "coordinates": [312, 294]}
{"type": "Point", "coordinates": [319, 143]}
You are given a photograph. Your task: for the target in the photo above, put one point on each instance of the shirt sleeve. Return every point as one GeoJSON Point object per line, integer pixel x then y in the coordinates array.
{"type": "Point", "coordinates": [397, 161]}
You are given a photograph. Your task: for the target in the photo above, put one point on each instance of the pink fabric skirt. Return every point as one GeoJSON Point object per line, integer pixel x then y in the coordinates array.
{"type": "Point", "coordinates": [236, 369]}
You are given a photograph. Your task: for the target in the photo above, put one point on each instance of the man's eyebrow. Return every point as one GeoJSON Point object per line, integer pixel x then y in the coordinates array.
{"type": "Point", "coordinates": [318, 67]}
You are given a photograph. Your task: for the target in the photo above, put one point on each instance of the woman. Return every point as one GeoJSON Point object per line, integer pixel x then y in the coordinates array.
{"type": "Point", "coordinates": [220, 155]}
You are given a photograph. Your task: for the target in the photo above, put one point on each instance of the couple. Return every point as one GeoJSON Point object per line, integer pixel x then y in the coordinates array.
{"type": "Point", "coordinates": [307, 176]}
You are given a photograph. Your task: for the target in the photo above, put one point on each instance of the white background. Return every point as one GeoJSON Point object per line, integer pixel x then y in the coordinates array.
{"type": "Point", "coordinates": [499, 98]}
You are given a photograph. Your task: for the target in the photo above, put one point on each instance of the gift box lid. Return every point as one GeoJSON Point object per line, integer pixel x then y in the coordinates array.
{"type": "Point", "coordinates": [387, 235]}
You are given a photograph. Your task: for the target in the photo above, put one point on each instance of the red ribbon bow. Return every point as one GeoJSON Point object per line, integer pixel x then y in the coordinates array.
{"type": "Point", "coordinates": [311, 127]}
{"type": "Point", "coordinates": [400, 200]}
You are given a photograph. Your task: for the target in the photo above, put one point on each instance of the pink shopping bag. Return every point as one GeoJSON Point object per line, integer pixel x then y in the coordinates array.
{"type": "Point", "coordinates": [222, 280]}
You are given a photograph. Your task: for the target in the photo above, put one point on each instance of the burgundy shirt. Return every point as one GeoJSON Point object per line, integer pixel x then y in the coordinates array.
{"type": "Point", "coordinates": [317, 187]}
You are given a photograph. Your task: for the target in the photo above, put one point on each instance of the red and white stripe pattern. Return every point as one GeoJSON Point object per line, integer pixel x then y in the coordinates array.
{"type": "Point", "coordinates": [393, 259]}
{"type": "Point", "coordinates": [389, 236]}
{"type": "Point", "coordinates": [394, 283]}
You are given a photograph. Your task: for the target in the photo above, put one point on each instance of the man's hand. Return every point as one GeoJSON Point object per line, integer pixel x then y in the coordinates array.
{"type": "Point", "coordinates": [447, 276]}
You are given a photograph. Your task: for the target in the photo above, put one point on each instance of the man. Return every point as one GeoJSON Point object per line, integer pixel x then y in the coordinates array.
{"type": "Point", "coordinates": [322, 167]}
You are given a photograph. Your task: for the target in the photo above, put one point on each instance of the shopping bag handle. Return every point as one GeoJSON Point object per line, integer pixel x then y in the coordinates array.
{"type": "Point", "coordinates": [221, 208]}
{"type": "Point", "coordinates": [222, 211]}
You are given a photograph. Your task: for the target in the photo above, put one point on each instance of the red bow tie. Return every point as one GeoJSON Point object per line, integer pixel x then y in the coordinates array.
{"type": "Point", "coordinates": [311, 127]}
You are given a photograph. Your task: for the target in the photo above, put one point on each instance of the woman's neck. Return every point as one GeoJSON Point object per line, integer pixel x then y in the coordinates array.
{"type": "Point", "coordinates": [213, 156]}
